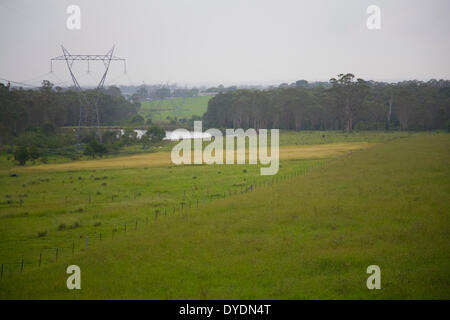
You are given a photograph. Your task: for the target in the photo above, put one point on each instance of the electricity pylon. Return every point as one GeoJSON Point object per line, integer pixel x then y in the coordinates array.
{"type": "Point", "coordinates": [88, 105]}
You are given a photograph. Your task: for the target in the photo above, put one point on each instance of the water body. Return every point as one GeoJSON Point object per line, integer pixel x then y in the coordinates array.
{"type": "Point", "coordinates": [139, 132]}
{"type": "Point", "coordinates": [174, 136]}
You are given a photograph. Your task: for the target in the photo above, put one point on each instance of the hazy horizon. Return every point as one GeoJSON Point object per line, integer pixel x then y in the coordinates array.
{"type": "Point", "coordinates": [227, 42]}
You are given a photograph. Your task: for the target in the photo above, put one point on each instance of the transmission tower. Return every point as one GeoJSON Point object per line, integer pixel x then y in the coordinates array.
{"type": "Point", "coordinates": [88, 104]}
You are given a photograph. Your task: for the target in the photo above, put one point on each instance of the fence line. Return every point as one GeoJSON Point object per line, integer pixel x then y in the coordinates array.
{"type": "Point", "coordinates": [51, 254]}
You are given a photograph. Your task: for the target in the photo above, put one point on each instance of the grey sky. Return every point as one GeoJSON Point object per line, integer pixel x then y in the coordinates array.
{"type": "Point", "coordinates": [229, 41]}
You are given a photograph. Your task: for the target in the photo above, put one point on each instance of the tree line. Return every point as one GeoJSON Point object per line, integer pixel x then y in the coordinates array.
{"type": "Point", "coordinates": [345, 103]}
{"type": "Point", "coordinates": [22, 110]}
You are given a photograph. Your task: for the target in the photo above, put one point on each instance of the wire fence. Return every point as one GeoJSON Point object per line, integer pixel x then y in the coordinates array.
{"type": "Point", "coordinates": [68, 248]}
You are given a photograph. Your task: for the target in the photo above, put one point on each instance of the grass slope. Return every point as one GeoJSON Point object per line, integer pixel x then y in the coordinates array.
{"type": "Point", "coordinates": [56, 207]}
{"type": "Point", "coordinates": [287, 138]}
{"type": "Point", "coordinates": [159, 110]}
{"type": "Point", "coordinates": [312, 236]}
{"type": "Point", "coordinates": [159, 159]}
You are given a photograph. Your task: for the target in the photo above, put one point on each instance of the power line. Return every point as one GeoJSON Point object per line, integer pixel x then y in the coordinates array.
{"type": "Point", "coordinates": [35, 78]}
{"type": "Point", "coordinates": [19, 83]}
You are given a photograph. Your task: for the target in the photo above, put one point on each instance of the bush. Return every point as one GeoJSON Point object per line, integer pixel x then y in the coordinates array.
{"type": "Point", "coordinates": [94, 148]}
{"type": "Point", "coordinates": [156, 133]}
{"type": "Point", "coordinates": [111, 136]}
{"type": "Point", "coordinates": [129, 137]}
{"type": "Point", "coordinates": [21, 155]}
{"type": "Point", "coordinates": [137, 119]}
{"type": "Point", "coordinates": [75, 225]}
{"type": "Point", "coordinates": [34, 153]}
{"type": "Point", "coordinates": [41, 234]}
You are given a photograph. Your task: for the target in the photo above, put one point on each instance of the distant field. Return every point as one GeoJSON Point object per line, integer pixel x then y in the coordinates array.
{"type": "Point", "coordinates": [159, 110]}
{"type": "Point", "coordinates": [287, 138]}
{"type": "Point", "coordinates": [159, 159]}
{"type": "Point", "coordinates": [309, 232]}
{"type": "Point", "coordinates": [291, 138]}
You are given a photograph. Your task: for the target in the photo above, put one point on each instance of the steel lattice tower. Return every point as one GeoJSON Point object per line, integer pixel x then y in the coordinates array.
{"type": "Point", "coordinates": [88, 104]}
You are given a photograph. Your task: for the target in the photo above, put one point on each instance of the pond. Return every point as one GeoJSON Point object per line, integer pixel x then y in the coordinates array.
{"type": "Point", "coordinates": [173, 135]}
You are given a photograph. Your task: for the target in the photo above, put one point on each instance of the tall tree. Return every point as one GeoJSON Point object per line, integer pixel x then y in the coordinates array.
{"type": "Point", "coordinates": [350, 95]}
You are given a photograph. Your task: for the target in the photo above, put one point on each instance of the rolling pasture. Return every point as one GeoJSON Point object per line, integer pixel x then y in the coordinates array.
{"type": "Point", "coordinates": [140, 227]}
{"type": "Point", "coordinates": [159, 110]}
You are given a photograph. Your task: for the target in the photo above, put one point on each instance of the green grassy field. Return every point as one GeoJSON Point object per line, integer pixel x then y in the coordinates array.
{"type": "Point", "coordinates": [309, 232]}
{"type": "Point", "coordinates": [159, 110]}
{"type": "Point", "coordinates": [287, 138]}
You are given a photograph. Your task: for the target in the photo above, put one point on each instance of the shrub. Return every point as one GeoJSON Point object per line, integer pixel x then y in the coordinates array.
{"type": "Point", "coordinates": [75, 225]}
{"type": "Point", "coordinates": [156, 133]}
{"type": "Point", "coordinates": [21, 155]}
{"type": "Point", "coordinates": [94, 148]}
{"type": "Point", "coordinates": [41, 234]}
{"type": "Point", "coordinates": [137, 119]}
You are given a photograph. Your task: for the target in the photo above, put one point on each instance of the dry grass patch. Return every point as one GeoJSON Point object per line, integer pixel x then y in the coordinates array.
{"type": "Point", "coordinates": [161, 159]}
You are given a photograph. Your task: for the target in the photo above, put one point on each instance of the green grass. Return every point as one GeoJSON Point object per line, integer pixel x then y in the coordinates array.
{"type": "Point", "coordinates": [36, 202]}
{"type": "Point", "coordinates": [309, 236]}
{"type": "Point", "coordinates": [287, 138]}
{"type": "Point", "coordinates": [159, 110]}
{"type": "Point", "coordinates": [324, 137]}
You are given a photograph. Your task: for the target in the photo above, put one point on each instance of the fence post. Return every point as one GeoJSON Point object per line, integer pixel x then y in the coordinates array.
{"type": "Point", "coordinates": [87, 242]}
{"type": "Point", "coordinates": [21, 266]}
{"type": "Point", "coordinates": [56, 254]}
{"type": "Point", "coordinates": [1, 273]}
{"type": "Point", "coordinates": [100, 236]}
{"type": "Point", "coordinates": [135, 227]}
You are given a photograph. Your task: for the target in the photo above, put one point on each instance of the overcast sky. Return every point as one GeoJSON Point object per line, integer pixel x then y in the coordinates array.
{"type": "Point", "coordinates": [228, 41]}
